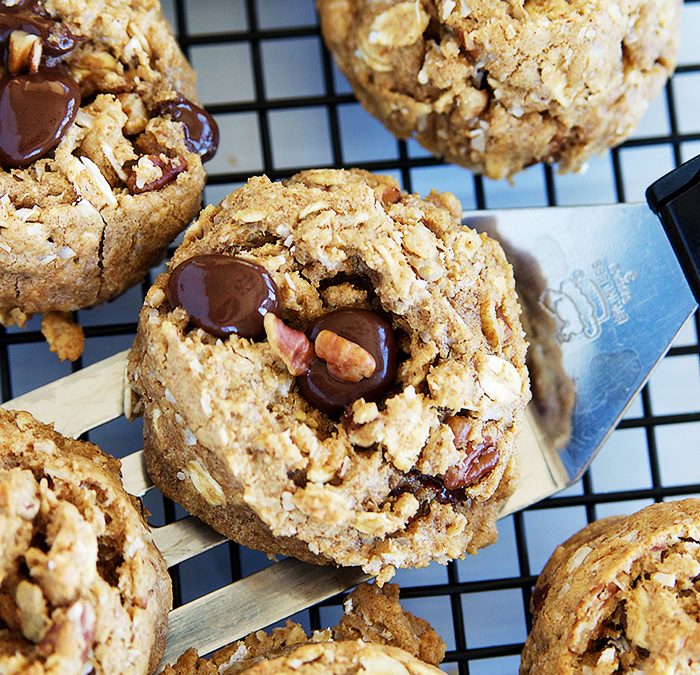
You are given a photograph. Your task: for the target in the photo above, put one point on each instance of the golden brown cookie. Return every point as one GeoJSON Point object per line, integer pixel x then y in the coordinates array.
{"type": "Point", "coordinates": [82, 587]}
{"type": "Point", "coordinates": [375, 632]}
{"type": "Point", "coordinates": [621, 596]}
{"type": "Point", "coordinates": [369, 418]}
{"type": "Point", "coordinates": [497, 85]}
{"type": "Point", "coordinates": [101, 145]}
{"type": "Point", "coordinates": [344, 658]}
{"type": "Point", "coordinates": [321, 658]}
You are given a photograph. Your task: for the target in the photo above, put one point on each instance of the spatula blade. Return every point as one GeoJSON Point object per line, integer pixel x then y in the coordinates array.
{"type": "Point", "coordinates": [608, 278]}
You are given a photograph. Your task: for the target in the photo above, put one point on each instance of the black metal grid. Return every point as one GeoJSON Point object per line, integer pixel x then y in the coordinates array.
{"type": "Point", "coordinates": [462, 653]}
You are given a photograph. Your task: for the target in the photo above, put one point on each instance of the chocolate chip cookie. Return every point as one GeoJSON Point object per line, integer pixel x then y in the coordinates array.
{"type": "Point", "coordinates": [621, 596]}
{"type": "Point", "coordinates": [101, 150]}
{"type": "Point", "coordinates": [375, 632]}
{"type": "Point", "coordinates": [82, 587]}
{"type": "Point", "coordinates": [497, 86]}
{"type": "Point", "coordinates": [334, 369]}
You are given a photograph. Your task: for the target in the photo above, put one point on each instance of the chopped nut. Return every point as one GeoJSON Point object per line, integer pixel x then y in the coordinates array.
{"type": "Point", "coordinates": [391, 195]}
{"type": "Point", "coordinates": [461, 427]}
{"type": "Point", "coordinates": [249, 215]}
{"type": "Point", "coordinates": [345, 360]}
{"type": "Point", "coordinates": [324, 503]}
{"type": "Point", "coordinates": [481, 459]}
{"type": "Point", "coordinates": [292, 346]}
{"type": "Point", "coordinates": [152, 173]}
{"type": "Point", "coordinates": [24, 52]}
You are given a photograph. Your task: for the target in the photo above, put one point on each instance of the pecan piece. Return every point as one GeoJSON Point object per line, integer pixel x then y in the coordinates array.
{"type": "Point", "coordinates": [344, 359]}
{"type": "Point", "coordinates": [24, 52]}
{"type": "Point", "coordinates": [144, 178]}
{"type": "Point", "coordinates": [392, 195]}
{"type": "Point", "coordinates": [480, 460]}
{"type": "Point", "coordinates": [461, 427]}
{"type": "Point", "coordinates": [292, 346]}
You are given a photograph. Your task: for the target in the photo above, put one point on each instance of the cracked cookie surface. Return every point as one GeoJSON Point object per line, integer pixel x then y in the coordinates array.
{"type": "Point", "coordinates": [85, 221]}
{"type": "Point", "coordinates": [395, 482]}
{"type": "Point", "coordinates": [375, 632]}
{"type": "Point", "coordinates": [621, 596]}
{"type": "Point", "coordinates": [497, 85]}
{"type": "Point", "coordinates": [82, 587]}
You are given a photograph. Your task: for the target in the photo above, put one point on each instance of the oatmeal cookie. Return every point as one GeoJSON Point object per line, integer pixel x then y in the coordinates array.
{"type": "Point", "coordinates": [101, 148]}
{"type": "Point", "coordinates": [368, 419]}
{"type": "Point", "coordinates": [325, 658]}
{"type": "Point", "coordinates": [497, 85]}
{"type": "Point", "coordinates": [372, 616]}
{"type": "Point", "coordinates": [82, 587]}
{"type": "Point", "coordinates": [621, 596]}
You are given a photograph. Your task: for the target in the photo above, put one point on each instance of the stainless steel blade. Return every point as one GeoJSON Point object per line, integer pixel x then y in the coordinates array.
{"type": "Point", "coordinates": [612, 284]}
{"type": "Point", "coordinates": [246, 606]}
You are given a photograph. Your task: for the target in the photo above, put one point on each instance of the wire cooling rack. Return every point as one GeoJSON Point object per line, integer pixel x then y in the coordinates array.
{"type": "Point", "coordinates": [283, 106]}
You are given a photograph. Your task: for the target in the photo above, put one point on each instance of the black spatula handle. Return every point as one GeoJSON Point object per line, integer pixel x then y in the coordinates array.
{"type": "Point", "coordinates": [675, 198]}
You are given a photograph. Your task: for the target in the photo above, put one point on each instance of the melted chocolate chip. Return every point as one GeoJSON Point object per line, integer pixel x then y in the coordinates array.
{"type": "Point", "coordinates": [434, 488]}
{"type": "Point", "coordinates": [32, 18]}
{"type": "Point", "coordinates": [224, 295]}
{"type": "Point", "coordinates": [374, 334]}
{"type": "Point", "coordinates": [427, 489]}
{"type": "Point", "coordinates": [201, 129]}
{"type": "Point", "coordinates": [36, 109]}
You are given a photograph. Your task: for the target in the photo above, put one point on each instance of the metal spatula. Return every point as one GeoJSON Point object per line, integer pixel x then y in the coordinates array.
{"type": "Point", "coordinates": [610, 286]}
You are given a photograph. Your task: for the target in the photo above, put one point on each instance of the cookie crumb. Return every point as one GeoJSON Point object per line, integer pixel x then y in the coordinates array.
{"type": "Point", "coordinates": [65, 337]}
{"type": "Point", "coordinates": [13, 317]}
